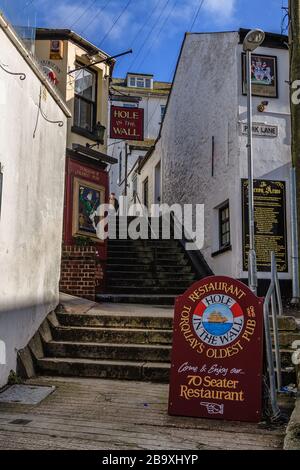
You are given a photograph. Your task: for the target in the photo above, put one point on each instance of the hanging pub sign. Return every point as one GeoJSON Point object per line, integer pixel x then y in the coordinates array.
{"type": "Point", "coordinates": [263, 75]}
{"type": "Point", "coordinates": [127, 123]}
{"type": "Point", "coordinates": [269, 224]}
{"type": "Point", "coordinates": [217, 355]}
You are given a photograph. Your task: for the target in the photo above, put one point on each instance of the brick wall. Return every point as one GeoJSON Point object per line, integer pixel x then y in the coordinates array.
{"type": "Point", "coordinates": [81, 272]}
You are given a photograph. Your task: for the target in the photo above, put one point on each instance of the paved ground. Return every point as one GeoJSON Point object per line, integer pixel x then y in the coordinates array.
{"type": "Point", "coordinates": [117, 415]}
{"type": "Point", "coordinates": [78, 305]}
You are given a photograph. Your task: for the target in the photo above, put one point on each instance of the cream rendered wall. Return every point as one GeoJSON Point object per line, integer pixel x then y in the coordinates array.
{"type": "Point", "coordinates": [72, 54]}
{"type": "Point", "coordinates": [32, 204]}
{"type": "Point", "coordinates": [42, 52]}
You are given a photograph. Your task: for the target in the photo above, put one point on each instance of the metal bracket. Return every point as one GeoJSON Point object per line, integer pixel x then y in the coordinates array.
{"type": "Point", "coordinates": [21, 75]}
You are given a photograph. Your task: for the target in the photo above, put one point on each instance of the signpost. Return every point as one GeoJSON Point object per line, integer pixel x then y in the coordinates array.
{"type": "Point", "coordinates": [270, 224]}
{"type": "Point", "coordinates": [127, 123]}
{"type": "Point", "coordinates": [217, 352]}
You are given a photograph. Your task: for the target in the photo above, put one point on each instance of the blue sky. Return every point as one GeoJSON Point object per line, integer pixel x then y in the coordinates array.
{"type": "Point", "coordinates": [153, 28]}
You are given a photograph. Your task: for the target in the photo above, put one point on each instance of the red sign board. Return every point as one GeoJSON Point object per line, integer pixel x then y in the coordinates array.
{"type": "Point", "coordinates": [127, 123]}
{"type": "Point", "coordinates": [217, 352]}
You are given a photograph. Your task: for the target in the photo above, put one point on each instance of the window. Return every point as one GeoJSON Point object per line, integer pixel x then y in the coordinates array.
{"type": "Point", "coordinates": [85, 99]}
{"type": "Point", "coordinates": [224, 226]}
{"type": "Point", "coordinates": [162, 111]}
{"type": "Point", "coordinates": [146, 192]}
{"type": "Point", "coordinates": [140, 82]}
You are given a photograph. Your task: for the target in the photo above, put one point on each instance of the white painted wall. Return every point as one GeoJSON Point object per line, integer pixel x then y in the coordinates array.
{"type": "Point", "coordinates": [207, 101]}
{"type": "Point", "coordinates": [148, 171]}
{"type": "Point", "coordinates": [32, 204]}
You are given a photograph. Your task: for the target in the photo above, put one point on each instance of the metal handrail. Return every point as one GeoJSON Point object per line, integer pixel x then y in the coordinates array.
{"type": "Point", "coordinates": [273, 294]}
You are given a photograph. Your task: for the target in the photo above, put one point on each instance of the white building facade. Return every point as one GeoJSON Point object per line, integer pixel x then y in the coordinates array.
{"type": "Point", "coordinates": [202, 144]}
{"type": "Point", "coordinates": [32, 161]}
{"type": "Point", "coordinates": [136, 91]}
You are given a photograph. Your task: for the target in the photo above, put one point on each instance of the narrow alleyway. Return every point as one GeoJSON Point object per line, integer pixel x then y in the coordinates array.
{"type": "Point", "coordinates": [99, 414]}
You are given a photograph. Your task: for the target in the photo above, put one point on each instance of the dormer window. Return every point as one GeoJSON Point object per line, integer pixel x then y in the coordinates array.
{"type": "Point", "coordinates": [140, 82]}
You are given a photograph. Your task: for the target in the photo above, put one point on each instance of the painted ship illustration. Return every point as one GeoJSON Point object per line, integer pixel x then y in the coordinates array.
{"type": "Point", "coordinates": [216, 317]}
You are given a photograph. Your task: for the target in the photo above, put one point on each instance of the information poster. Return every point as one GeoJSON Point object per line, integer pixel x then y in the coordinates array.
{"type": "Point", "coordinates": [270, 224]}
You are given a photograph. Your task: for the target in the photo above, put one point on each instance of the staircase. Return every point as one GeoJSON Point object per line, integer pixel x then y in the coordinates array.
{"type": "Point", "coordinates": [128, 335]}
{"type": "Point", "coordinates": [116, 345]}
{"type": "Point", "coordinates": [130, 342]}
{"type": "Point", "coordinates": [153, 271]}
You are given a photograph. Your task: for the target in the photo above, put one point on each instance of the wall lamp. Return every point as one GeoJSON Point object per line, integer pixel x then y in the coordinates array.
{"type": "Point", "coordinates": [262, 106]}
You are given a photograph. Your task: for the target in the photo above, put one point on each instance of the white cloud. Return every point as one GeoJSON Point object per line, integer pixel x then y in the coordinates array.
{"type": "Point", "coordinates": [223, 10]}
{"type": "Point", "coordinates": [167, 19]}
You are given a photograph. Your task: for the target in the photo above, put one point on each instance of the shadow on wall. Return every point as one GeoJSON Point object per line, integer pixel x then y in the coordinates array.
{"type": "Point", "coordinates": [17, 326]}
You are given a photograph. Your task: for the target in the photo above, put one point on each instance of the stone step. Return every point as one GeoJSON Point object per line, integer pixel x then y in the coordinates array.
{"type": "Point", "coordinates": [157, 300]}
{"type": "Point", "coordinates": [143, 244]}
{"type": "Point", "coordinates": [145, 283]}
{"type": "Point", "coordinates": [158, 290]}
{"type": "Point", "coordinates": [285, 356]}
{"type": "Point", "coordinates": [288, 375]}
{"type": "Point", "coordinates": [115, 321]}
{"type": "Point", "coordinates": [285, 323]}
{"type": "Point", "coordinates": [150, 256]}
{"type": "Point", "coordinates": [112, 335]}
{"type": "Point", "coordinates": [286, 338]}
{"type": "Point", "coordinates": [145, 252]}
{"type": "Point", "coordinates": [136, 275]}
{"type": "Point", "coordinates": [105, 369]}
{"type": "Point", "coordinates": [119, 352]}
{"type": "Point", "coordinates": [140, 268]}
{"type": "Point", "coordinates": [163, 261]}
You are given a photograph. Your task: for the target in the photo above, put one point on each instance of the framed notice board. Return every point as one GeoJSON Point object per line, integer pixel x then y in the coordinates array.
{"type": "Point", "coordinates": [270, 224]}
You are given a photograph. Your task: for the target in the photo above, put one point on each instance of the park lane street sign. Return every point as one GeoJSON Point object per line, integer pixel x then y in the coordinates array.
{"type": "Point", "coordinates": [259, 129]}
{"type": "Point", "coordinates": [217, 352]}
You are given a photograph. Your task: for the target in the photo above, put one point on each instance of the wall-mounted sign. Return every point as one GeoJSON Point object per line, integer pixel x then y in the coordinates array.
{"type": "Point", "coordinates": [270, 224]}
{"type": "Point", "coordinates": [127, 123]}
{"type": "Point", "coordinates": [87, 198]}
{"type": "Point", "coordinates": [263, 75]}
{"type": "Point", "coordinates": [56, 49]}
{"type": "Point", "coordinates": [51, 70]}
{"type": "Point", "coordinates": [217, 352]}
{"type": "Point", "coordinates": [259, 129]}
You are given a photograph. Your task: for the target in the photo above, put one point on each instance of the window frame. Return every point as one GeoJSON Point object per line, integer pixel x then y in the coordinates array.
{"type": "Point", "coordinates": [222, 221]}
{"type": "Point", "coordinates": [146, 185]}
{"type": "Point", "coordinates": [87, 100]}
{"type": "Point", "coordinates": [135, 79]}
